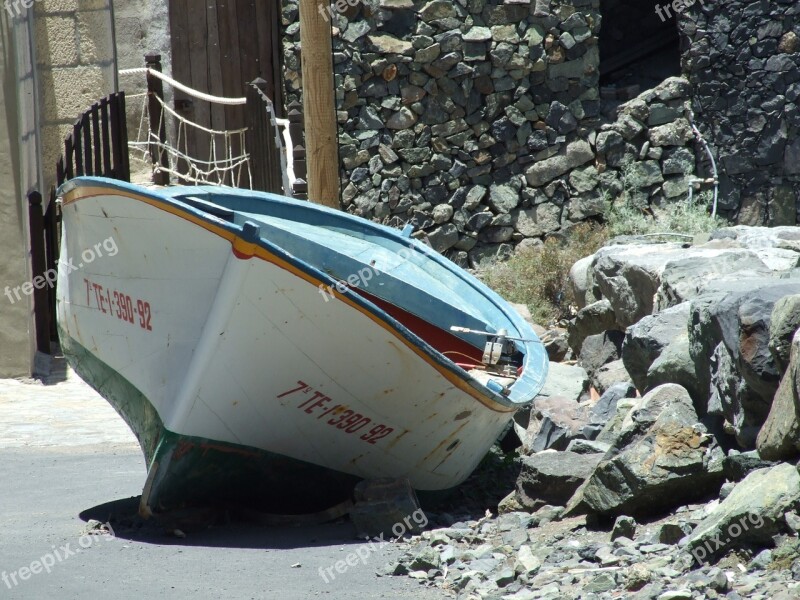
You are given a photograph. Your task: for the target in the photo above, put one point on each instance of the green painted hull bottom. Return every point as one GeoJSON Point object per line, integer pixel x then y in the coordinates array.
{"type": "Point", "coordinates": [201, 472]}
{"type": "Point", "coordinates": [186, 471]}
{"type": "Point", "coordinates": [129, 402]}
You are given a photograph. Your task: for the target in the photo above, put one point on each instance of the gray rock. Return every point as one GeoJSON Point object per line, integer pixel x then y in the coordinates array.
{"type": "Point", "coordinates": [676, 365]}
{"type": "Point", "coordinates": [554, 422]}
{"type": "Point", "coordinates": [784, 323]}
{"type": "Point", "coordinates": [779, 438]}
{"type": "Point", "coordinates": [686, 277]}
{"type": "Point", "coordinates": [503, 198]}
{"type": "Point", "coordinates": [565, 381]}
{"type": "Point", "coordinates": [671, 533]}
{"type": "Point", "coordinates": [537, 221]}
{"type": "Point", "coordinates": [403, 119]}
{"type": "Point", "coordinates": [729, 342]}
{"type": "Point", "coordinates": [629, 277]}
{"type": "Point", "coordinates": [601, 349]}
{"type": "Point", "coordinates": [580, 282]}
{"type": "Point", "coordinates": [676, 133]}
{"type": "Point", "coordinates": [552, 477]}
{"type": "Point", "coordinates": [738, 465]}
{"type": "Point", "coordinates": [542, 172]}
{"type": "Point", "coordinates": [579, 446]}
{"type": "Point", "coordinates": [388, 44]}
{"type": "Point", "coordinates": [610, 374]}
{"type": "Point", "coordinates": [661, 458]}
{"type": "Point", "coordinates": [444, 237]}
{"type": "Point", "coordinates": [624, 526]}
{"type": "Point", "coordinates": [752, 513]}
{"type": "Point", "coordinates": [647, 339]}
{"type": "Point", "coordinates": [593, 319]}
{"type": "Point", "coordinates": [437, 9]}
{"type": "Point", "coordinates": [606, 408]}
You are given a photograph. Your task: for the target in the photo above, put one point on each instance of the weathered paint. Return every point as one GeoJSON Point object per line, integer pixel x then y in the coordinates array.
{"type": "Point", "coordinates": [230, 336]}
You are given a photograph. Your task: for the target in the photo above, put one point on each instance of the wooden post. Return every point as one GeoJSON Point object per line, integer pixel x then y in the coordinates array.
{"type": "Point", "coordinates": [41, 307]}
{"type": "Point", "coordinates": [155, 90]}
{"type": "Point", "coordinates": [319, 103]}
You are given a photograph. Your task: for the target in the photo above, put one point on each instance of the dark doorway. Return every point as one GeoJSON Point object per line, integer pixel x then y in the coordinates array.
{"type": "Point", "coordinates": [639, 44]}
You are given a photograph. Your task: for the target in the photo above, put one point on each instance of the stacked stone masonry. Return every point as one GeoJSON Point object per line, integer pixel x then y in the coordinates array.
{"type": "Point", "coordinates": [743, 62]}
{"type": "Point", "coordinates": [479, 121]}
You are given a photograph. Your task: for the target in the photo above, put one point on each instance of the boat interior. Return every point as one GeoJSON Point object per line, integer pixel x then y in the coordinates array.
{"type": "Point", "coordinates": [379, 264]}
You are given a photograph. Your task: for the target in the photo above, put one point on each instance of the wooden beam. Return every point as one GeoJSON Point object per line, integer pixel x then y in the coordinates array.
{"type": "Point", "coordinates": [319, 103]}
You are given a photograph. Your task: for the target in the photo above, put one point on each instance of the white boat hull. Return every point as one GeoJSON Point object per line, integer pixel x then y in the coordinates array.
{"type": "Point", "coordinates": [229, 344]}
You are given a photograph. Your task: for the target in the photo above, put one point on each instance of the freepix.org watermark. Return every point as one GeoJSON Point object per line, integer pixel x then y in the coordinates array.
{"type": "Point", "coordinates": [361, 278]}
{"type": "Point", "coordinates": [340, 7]}
{"type": "Point", "coordinates": [15, 8]}
{"type": "Point", "coordinates": [88, 256]}
{"type": "Point", "coordinates": [721, 540]}
{"type": "Point", "coordinates": [47, 562]}
{"type": "Point", "coordinates": [678, 6]}
{"type": "Point", "coordinates": [363, 553]}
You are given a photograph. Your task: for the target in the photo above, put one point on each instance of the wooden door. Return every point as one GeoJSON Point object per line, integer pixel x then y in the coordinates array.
{"type": "Point", "coordinates": [218, 47]}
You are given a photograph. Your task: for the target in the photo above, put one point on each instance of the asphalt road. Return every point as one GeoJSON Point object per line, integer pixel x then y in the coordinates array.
{"type": "Point", "coordinates": [52, 485]}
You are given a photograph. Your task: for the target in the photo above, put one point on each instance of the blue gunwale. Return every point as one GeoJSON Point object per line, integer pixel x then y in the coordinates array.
{"type": "Point", "coordinates": [535, 361]}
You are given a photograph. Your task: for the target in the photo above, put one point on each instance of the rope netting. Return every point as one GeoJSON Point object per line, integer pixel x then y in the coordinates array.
{"type": "Point", "coordinates": [219, 157]}
{"type": "Point", "coordinates": [199, 154]}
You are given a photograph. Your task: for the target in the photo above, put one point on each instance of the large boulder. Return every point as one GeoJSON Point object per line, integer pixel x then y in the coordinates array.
{"type": "Point", "coordinates": [675, 365]}
{"type": "Point", "coordinates": [605, 409]}
{"type": "Point", "coordinates": [784, 323]}
{"type": "Point", "coordinates": [593, 319]}
{"type": "Point", "coordinates": [601, 349]}
{"type": "Point", "coordinates": [687, 277]}
{"type": "Point", "coordinates": [752, 513]}
{"type": "Point", "coordinates": [779, 438]}
{"type": "Point", "coordinates": [647, 339]}
{"type": "Point", "coordinates": [581, 284]}
{"type": "Point", "coordinates": [729, 337]}
{"type": "Point", "coordinates": [661, 458]}
{"type": "Point", "coordinates": [758, 238]}
{"type": "Point", "coordinates": [566, 385]}
{"type": "Point", "coordinates": [552, 477]}
{"type": "Point", "coordinates": [554, 423]}
{"type": "Point", "coordinates": [629, 277]}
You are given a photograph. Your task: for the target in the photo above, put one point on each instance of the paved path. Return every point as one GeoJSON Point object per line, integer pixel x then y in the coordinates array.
{"type": "Point", "coordinates": [57, 412]}
{"type": "Point", "coordinates": [66, 457]}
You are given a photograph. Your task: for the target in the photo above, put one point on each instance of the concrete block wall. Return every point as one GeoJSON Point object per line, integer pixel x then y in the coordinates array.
{"type": "Point", "coordinates": [142, 26]}
{"type": "Point", "coordinates": [76, 63]}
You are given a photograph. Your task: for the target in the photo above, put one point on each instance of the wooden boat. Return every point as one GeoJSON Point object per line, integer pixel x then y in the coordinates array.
{"type": "Point", "coordinates": [273, 351]}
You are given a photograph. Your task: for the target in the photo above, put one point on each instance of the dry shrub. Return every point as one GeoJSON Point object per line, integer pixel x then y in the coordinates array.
{"type": "Point", "coordinates": [538, 276]}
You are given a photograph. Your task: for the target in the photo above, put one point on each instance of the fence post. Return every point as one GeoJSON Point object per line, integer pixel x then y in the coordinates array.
{"type": "Point", "coordinates": [41, 308]}
{"type": "Point", "coordinates": [52, 242]}
{"type": "Point", "coordinates": [158, 129]}
{"type": "Point", "coordinates": [295, 116]}
{"type": "Point", "coordinates": [256, 136]}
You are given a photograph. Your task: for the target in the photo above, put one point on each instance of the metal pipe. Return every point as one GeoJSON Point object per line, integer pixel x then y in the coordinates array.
{"type": "Point", "coordinates": [703, 142]}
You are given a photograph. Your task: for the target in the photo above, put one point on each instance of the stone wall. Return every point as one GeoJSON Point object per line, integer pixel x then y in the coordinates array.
{"type": "Point", "coordinates": [142, 26]}
{"type": "Point", "coordinates": [444, 107]}
{"type": "Point", "coordinates": [75, 61]}
{"type": "Point", "coordinates": [743, 62]}
{"type": "Point", "coordinates": [479, 122]}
